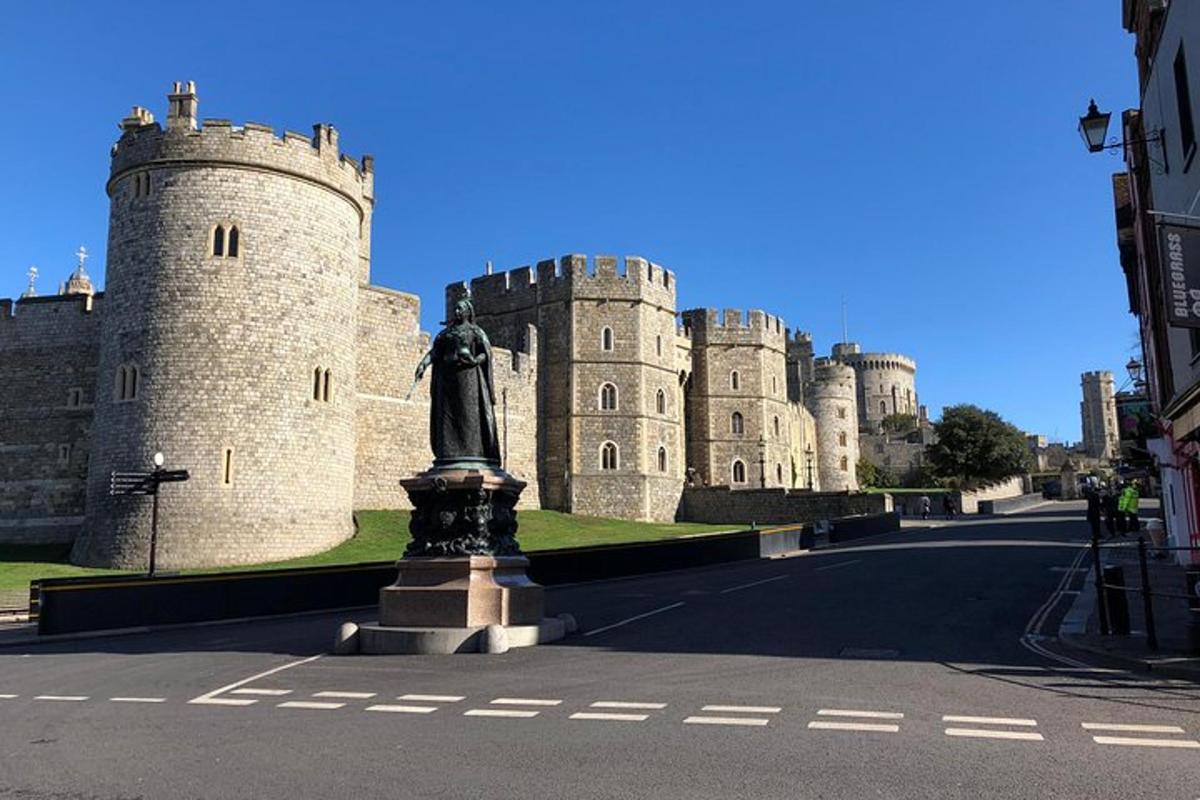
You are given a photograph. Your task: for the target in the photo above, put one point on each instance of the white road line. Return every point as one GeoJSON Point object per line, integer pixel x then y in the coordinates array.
{"type": "Point", "coordinates": [66, 697]}
{"type": "Point", "coordinates": [979, 733]}
{"type": "Point", "coordinates": [1029, 723]}
{"type": "Point", "coordinates": [210, 698]}
{"type": "Point", "coordinates": [1129, 741]}
{"type": "Point", "coordinates": [756, 722]}
{"type": "Point", "coordinates": [403, 709]}
{"type": "Point", "coordinates": [263, 692]}
{"type": "Point", "coordinates": [432, 698]}
{"type": "Point", "coordinates": [610, 716]}
{"type": "Point", "coordinates": [875, 727]}
{"type": "Point", "coordinates": [347, 695]}
{"type": "Point", "coordinates": [743, 709]}
{"type": "Point", "coordinates": [753, 583]}
{"type": "Point", "coordinates": [839, 564]}
{"type": "Point", "coordinates": [9, 696]}
{"type": "Point", "coordinates": [633, 619]}
{"type": "Point", "coordinates": [524, 701]}
{"type": "Point", "coordinates": [137, 699]}
{"type": "Point", "coordinates": [500, 712]}
{"type": "Point", "coordinates": [310, 704]}
{"type": "Point", "coordinates": [623, 704]}
{"type": "Point", "coordinates": [1124, 728]}
{"type": "Point", "coordinates": [845, 712]}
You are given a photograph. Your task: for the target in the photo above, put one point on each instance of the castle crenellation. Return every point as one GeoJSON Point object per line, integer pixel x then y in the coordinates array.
{"type": "Point", "coordinates": [207, 345]}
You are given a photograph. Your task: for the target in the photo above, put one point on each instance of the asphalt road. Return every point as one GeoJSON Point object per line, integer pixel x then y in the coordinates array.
{"type": "Point", "coordinates": [918, 665]}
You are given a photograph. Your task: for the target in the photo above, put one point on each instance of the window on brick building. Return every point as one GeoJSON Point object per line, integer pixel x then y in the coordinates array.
{"type": "Point", "coordinates": [883, 407]}
{"type": "Point", "coordinates": [608, 397]}
{"type": "Point", "coordinates": [1183, 104]}
{"type": "Point", "coordinates": [662, 459]}
{"type": "Point", "coordinates": [225, 241]}
{"type": "Point", "coordinates": [841, 413]}
{"type": "Point", "coordinates": [125, 384]}
{"type": "Point", "coordinates": [660, 402]}
{"type": "Point", "coordinates": [739, 471]}
{"type": "Point", "coordinates": [845, 464]}
{"type": "Point", "coordinates": [606, 339]}
{"type": "Point", "coordinates": [735, 380]}
{"type": "Point", "coordinates": [75, 398]}
{"type": "Point", "coordinates": [608, 456]}
{"type": "Point", "coordinates": [736, 424]}
{"type": "Point", "coordinates": [842, 438]}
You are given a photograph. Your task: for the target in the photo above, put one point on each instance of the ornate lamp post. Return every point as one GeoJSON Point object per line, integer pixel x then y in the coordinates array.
{"type": "Point", "coordinates": [1093, 127]}
{"type": "Point", "coordinates": [762, 462]}
{"type": "Point", "coordinates": [1134, 368]}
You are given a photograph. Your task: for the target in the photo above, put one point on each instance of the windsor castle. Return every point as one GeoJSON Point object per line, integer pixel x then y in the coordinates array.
{"type": "Point", "coordinates": [239, 334]}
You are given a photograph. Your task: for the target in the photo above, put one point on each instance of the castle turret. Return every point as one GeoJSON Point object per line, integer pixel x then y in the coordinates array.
{"type": "Point", "coordinates": [831, 400]}
{"type": "Point", "coordinates": [234, 260]}
{"type": "Point", "coordinates": [886, 384]}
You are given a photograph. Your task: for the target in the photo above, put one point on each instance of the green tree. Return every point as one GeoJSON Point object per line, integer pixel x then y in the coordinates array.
{"type": "Point", "coordinates": [976, 446]}
{"type": "Point", "coordinates": [871, 476]}
{"type": "Point", "coordinates": [899, 424]}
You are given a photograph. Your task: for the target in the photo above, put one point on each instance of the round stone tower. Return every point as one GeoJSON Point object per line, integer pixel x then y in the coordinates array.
{"type": "Point", "coordinates": [831, 400]}
{"type": "Point", "coordinates": [887, 383]}
{"type": "Point", "coordinates": [228, 340]}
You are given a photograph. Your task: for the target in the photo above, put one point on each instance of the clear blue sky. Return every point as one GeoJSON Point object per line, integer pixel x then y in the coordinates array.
{"type": "Point", "coordinates": [920, 159]}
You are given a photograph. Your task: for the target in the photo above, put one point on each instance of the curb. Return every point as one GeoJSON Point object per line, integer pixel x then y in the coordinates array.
{"type": "Point", "coordinates": [1074, 625]}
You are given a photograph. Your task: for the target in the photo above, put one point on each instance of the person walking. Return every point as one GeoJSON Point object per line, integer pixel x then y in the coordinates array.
{"type": "Point", "coordinates": [1129, 506]}
{"type": "Point", "coordinates": [1108, 504]}
{"type": "Point", "coordinates": [948, 506]}
{"type": "Point", "coordinates": [925, 506]}
{"type": "Point", "coordinates": [1093, 513]}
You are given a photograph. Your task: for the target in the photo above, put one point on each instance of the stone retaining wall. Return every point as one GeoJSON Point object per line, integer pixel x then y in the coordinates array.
{"type": "Point", "coordinates": [720, 505]}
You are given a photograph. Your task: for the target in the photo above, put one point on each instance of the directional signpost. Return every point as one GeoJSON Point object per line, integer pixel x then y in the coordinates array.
{"type": "Point", "coordinates": [122, 484]}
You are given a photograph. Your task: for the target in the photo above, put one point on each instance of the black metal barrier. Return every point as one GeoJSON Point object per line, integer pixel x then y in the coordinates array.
{"type": "Point", "coordinates": [74, 605]}
{"type": "Point", "coordinates": [1111, 589]}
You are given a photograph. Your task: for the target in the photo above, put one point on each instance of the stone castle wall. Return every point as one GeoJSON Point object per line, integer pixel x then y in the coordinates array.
{"type": "Point", "coordinates": [886, 384]}
{"type": "Point", "coordinates": [48, 354]}
{"type": "Point", "coordinates": [226, 347]}
{"type": "Point", "coordinates": [832, 402]}
{"type": "Point", "coordinates": [716, 505]}
{"type": "Point", "coordinates": [740, 368]}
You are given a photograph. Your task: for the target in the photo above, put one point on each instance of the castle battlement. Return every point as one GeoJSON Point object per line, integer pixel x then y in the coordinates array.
{"type": "Point", "coordinates": [146, 144]}
{"type": "Point", "coordinates": [879, 361]}
{"type": "Point", "coordinates": [1097, 375]}
{"type": "Point", "coordinates": [733, 326]}
{"type": "Point", "coordinates": [572, 276]}
{"type": "Point", "coordinates": [47, 319]}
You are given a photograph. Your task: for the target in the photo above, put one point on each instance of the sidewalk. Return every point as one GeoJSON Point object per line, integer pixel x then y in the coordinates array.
{"type": "Point", "coordinates": [1177, 627]}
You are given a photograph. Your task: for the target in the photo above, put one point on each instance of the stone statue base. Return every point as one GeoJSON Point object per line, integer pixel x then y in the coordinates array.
{"type": "Point", "coordinates": [461, 585]}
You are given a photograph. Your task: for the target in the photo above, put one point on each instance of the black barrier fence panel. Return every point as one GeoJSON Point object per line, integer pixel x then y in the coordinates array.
{"type": "Point", "coordinates": [850, 528]}
{"type": "Point", "coordinates": [74, 605]}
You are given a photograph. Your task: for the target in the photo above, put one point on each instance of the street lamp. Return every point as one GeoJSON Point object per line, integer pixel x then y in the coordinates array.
{"type": "Point", "coordinates": [762, 462]}
{"type": "Point", "coordinates": [1093, 127]}
{"type": "Point", "coordinates": [1134, 368]}
{"type": "Point", "coordinates": [808, 457]}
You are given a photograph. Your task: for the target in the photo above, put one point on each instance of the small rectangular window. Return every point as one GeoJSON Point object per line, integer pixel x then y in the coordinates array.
{"type": "Point", "coordinates": [1183, 103]}
{"type": "Point", "coordinates": [75, 398]}
{"type": "Point", "coordinates": [227, 467]}
{"type": "Point", "coordinates": [64, 454]}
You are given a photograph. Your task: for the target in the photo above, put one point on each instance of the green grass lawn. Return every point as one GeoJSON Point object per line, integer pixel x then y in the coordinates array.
{"type": "Point", "coordinates": [382, 536]}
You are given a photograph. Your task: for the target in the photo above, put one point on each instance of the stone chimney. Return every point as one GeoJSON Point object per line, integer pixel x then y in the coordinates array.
{"type": "Point", "coordinates": [182, 105]}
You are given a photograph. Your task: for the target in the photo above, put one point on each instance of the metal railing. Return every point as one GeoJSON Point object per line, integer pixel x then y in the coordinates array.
{"type": "Point", "coordinates": [1144, 587]}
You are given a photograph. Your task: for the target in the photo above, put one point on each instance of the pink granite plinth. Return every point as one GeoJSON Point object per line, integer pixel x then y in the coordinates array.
{"type": "Point", "coordinates": [461, 592]}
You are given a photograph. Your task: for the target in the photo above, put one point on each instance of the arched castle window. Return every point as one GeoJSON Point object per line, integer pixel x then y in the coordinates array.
{"type": "Point", "coordinates": [141, 184]}
{"type": "Point", "coordinates": [842, 438]}
{"type": "Point", "coordinates": [777, 427]}
{"type": "Point", "coordinates": [841, 413]}
{"type": "Point", "coordinates": [321, 385]}
{"type": "Point", "coordinates": [608, 397]}
{"type": "Point", "coordinates": [736, 424]}
{"type": "Point", "coordinates": [125, 385]}
{"type": "Point", "coordinates": [608, 456]}
{"type": "Point", "coordinates": [662, 459]}
{"type": "Point", "coordinates": [883, 407]}
{"type": "Point", "coordinates": [227, 467]}
{"type": "Point", "coordinates": [660, 402]}
{"type": "Point", "coordinates": [739, 471]}
{"type": "Point", "coordinates": [779, 474]}
{"type": "Point", "coordinates": [735, 380]}
{"type": "Point", "coordinates": [606, 339]}
{"type": "Point", "coordinates": [317, 383]}
{"type": "Point", "coordinates": [845, 464]}
{"type": "Point", "coordinates": [325, 387]}
{"type": "Point", "coordinates": [225, 240]}
{"type": "Point", "coordinates": [658, 344]}
{"type": "Point", "coordinates": [774, 385]}
{"type": "Point", "coordinates": [74, 398]}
